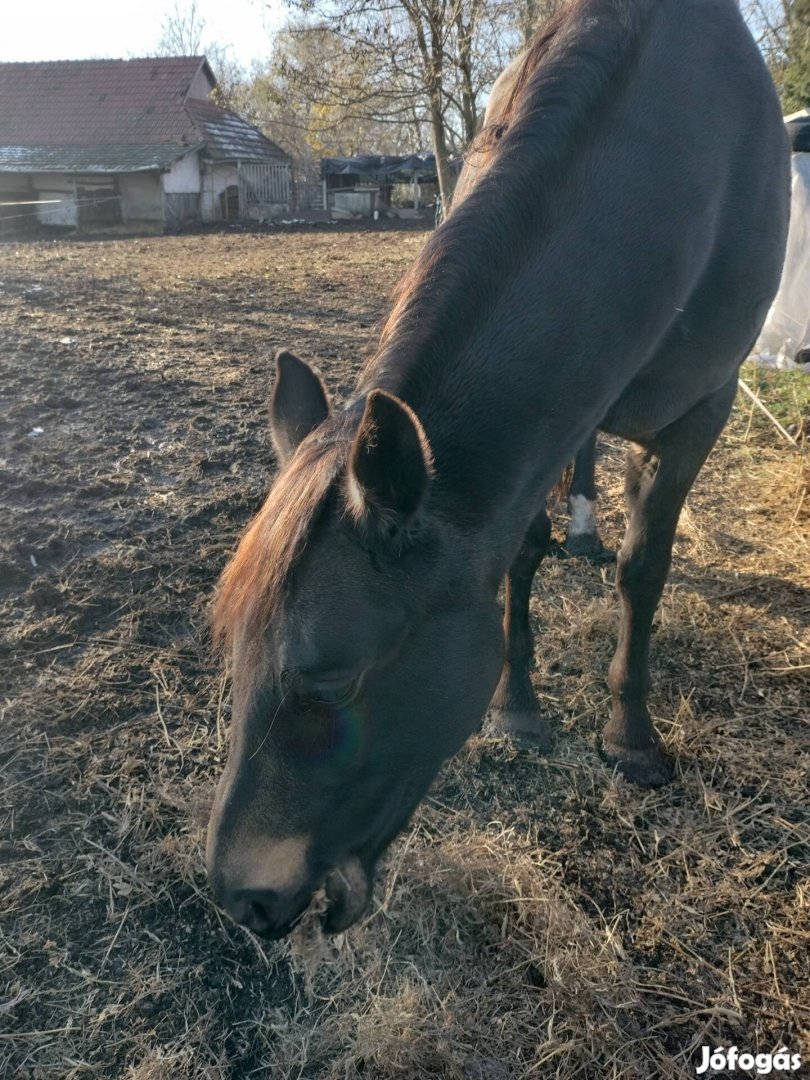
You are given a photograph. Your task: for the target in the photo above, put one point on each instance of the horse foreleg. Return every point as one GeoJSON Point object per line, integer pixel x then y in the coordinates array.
{"type": "Point", "coordinates": [515, 709]}
{"type": "Point", "coordinates": [657, 482]}
{"type": "Point", "coordinates": [582, 537]}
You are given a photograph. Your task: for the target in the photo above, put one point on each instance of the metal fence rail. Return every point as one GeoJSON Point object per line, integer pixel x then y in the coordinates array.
{"type": "Point", "coordinates": [263, 185]}
{"type": "Point", "coordinates": [308, 195]}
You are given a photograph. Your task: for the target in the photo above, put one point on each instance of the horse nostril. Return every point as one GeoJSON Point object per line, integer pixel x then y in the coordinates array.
{"type": "Point", "coordinates": [255, 909]}
{"type": "Point", "coordinates": [257, 918]}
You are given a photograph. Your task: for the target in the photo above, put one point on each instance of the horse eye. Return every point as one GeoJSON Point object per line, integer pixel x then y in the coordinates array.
{"type": "Point", "coordinates": [330, 693]}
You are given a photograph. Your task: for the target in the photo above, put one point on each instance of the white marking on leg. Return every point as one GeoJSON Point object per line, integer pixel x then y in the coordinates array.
{"type": "Point", "coordinates": [583, 515]}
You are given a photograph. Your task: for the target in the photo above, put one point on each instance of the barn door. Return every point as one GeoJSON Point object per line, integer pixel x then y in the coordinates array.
{"type": "Point", "coordinates": [98, 200]}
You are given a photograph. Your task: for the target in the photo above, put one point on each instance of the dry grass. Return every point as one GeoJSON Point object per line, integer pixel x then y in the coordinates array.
{"type": "Point", "coordinates": [542, 918]}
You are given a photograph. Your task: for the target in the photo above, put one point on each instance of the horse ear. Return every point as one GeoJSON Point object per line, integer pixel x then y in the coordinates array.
{"type": "Point", "coordinates": [390, 464]}
{"type": "Point", "coordinates": [298, 403]}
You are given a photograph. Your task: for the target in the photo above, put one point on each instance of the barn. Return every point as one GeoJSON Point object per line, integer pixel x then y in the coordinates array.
{"type": "Point", "coordinates": [138, 143]}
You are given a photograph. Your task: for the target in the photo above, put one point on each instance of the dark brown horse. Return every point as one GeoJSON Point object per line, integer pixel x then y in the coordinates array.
{"type": "Point", "coordinates": [609, 263]}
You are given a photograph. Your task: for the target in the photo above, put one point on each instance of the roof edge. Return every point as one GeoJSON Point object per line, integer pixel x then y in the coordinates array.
{"type": "Point", "coordinates": [110, 59]}
{"type": "Point", "coordinates": [49, 161]}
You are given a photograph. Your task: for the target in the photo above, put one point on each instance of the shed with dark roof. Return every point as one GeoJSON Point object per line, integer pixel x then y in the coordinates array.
{"type": "Point", "coordinates": [137, 142]}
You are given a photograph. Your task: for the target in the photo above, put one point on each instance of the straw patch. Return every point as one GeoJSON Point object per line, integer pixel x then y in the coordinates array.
{"type": "Point", "coordinates": [541, 918]}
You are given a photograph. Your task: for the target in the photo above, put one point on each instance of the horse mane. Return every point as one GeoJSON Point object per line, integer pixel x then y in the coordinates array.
{"type": "Point", "coordinates": [254, 581]}
{"type": "Point", "coordinates": [572, 73]}
{"type": "Point", "coordinates": [534, 53]}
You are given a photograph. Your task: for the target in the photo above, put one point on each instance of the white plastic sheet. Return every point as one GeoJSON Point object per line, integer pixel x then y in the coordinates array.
{"type": "Point", "coordinates": [787, 329]}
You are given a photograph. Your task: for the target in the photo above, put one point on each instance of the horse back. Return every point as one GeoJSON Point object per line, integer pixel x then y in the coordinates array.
{"type": "Point", "coordinates": [666, 244]}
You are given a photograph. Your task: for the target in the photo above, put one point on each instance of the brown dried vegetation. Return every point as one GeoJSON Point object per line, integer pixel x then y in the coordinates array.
{"type": "Point", "coordinates": [542, 918]}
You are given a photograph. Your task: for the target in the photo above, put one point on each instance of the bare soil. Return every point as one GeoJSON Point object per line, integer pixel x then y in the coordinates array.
{"type": "Point", "coordinates": [542, 917]}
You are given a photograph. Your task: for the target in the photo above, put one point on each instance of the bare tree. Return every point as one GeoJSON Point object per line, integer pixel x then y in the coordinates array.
{"type": "Point", "coordinates": [795, 81]}
{"type": "Point", "coordinates": [183, 34]}
{"type": "Point", "coordinates": [782, 31]}
{"type": "Point", "coordinates": [433, 61]}
{"type": "Point", "coordinates": [318, 95]}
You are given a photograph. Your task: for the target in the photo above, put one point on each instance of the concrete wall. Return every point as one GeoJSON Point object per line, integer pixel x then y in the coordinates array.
{"type": "Point", "coordinates": [16, 188]}
{"type": "Point", "coordinates": [52, 186]}
{"type": "Point", "coordinates": [183, 177]}
{"type": "Point", "coordinates": [141, 198]}
{"type": "Point", "coordinates": [55, 190]}
{"type": "Point", "coordinates": [267, 211]}
{"type": "Point", "coordinates": [14, 182]}
{"type": "Point", "coordinates": [64, 212]}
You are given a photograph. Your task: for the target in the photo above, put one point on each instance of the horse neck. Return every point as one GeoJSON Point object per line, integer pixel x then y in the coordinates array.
{"type": "Point", "coordinates": [461, 345]}
{"type": "Point", "coordinates": [462, 349]}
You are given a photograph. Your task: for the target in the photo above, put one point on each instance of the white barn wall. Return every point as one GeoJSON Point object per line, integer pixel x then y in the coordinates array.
{"type": "Point", "coordinates": [183, 176]}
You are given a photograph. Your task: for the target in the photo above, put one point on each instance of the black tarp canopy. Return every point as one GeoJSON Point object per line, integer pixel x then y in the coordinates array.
{"type": "Point", "coordinates": [384, 168]}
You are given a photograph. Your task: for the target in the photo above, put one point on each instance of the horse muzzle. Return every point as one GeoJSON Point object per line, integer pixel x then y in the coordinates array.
{"type": "Point", "coordinates": [272, 913]}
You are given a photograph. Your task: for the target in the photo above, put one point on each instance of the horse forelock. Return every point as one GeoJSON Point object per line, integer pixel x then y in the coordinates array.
{"type": "Point", "coordinates": [255, 581]}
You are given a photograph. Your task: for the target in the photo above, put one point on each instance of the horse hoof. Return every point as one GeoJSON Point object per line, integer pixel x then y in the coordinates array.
{"type": "Point", "coordinates": [525, 727]}
{"type": "Point", "coordinates": [649, 767]}
{"type": "Point", "coordinates": [588, 546]}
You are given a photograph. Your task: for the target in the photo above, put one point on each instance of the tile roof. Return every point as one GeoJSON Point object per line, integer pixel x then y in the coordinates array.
{"type": "Point", "coordinates": [228, 137]}
{"type": "Point", "coordinates": [97, 102]}
{"type": "Point", "coordinates": [117, 116]}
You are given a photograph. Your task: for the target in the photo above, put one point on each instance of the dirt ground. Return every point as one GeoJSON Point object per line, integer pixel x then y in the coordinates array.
{"type": "Point", "coordinates": [542, 918]}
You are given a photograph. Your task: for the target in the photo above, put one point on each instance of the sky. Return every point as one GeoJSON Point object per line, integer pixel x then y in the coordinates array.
{"type": "Point", "coordinates": [83, 29]}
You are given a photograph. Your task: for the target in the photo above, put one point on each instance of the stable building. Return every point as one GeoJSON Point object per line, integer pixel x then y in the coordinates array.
{"type": "Point", "coordinates": [136, 143]}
